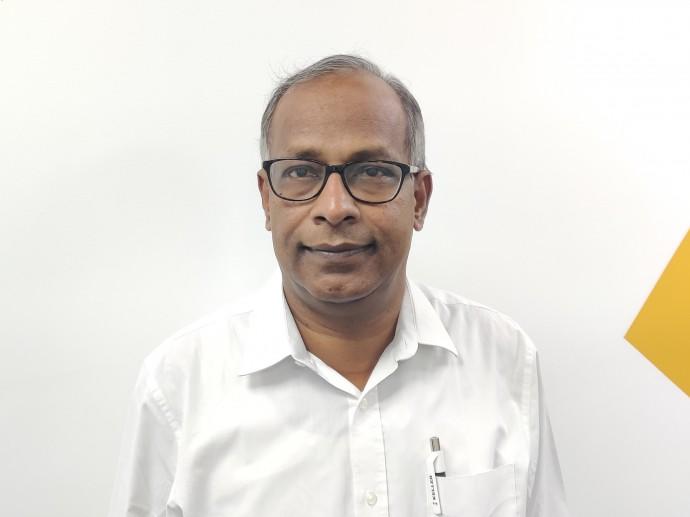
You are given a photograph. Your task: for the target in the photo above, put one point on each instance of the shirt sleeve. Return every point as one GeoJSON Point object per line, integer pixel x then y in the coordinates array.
{"type": "Point", "coordinates": [545, 490]}
{"type": "Point", "coordinates": [148, 454]}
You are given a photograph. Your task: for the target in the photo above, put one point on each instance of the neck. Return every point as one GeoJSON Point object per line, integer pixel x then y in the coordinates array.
{"type": "Point", "coordinates": [349, 337]}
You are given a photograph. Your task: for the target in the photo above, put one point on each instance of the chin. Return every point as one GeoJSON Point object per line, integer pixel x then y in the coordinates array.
{"type": "Point", "coordinates": [339, 290]}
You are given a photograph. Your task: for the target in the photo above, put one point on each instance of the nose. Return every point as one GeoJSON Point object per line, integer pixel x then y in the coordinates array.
{"type": "Point", "coordinates": [335, 205]}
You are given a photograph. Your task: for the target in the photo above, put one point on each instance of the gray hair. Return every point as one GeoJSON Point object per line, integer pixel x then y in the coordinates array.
{"type": "Point", "coordinates": [415, 124]}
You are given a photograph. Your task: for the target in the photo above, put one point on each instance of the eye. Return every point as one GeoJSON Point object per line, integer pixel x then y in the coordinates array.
{"type": "Point", "coordinates": [374, 171]}
{"type": "Point", "coordinates": [301, 171]}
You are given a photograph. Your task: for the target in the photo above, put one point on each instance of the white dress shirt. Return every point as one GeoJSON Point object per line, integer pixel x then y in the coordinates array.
{"type": "Point", "coordinates": [233, 416]}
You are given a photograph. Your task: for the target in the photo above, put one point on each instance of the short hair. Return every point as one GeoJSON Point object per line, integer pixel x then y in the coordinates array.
{"type": "Point", "coordinates": [414, 139]}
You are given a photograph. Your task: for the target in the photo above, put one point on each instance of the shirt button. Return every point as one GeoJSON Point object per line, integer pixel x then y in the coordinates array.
{"type": "Point", "coordinates": [371, 498]}
{"type": "Point", "coordinates": [364, 404]}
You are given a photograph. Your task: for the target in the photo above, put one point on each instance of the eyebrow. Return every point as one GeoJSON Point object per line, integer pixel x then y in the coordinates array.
{"type": "Point", "coordinates": [374, 153]}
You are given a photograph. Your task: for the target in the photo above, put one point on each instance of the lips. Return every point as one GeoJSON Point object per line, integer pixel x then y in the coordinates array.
{"type": "Point", "coordinates": [340, 250]}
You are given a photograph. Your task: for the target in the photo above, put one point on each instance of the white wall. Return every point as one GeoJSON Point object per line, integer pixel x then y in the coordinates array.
{"type": "Point", "coordinates": [558, 133]}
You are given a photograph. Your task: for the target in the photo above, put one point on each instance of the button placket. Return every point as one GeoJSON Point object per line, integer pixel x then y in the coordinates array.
{"type": "Point", "coordinates": [368, 458]}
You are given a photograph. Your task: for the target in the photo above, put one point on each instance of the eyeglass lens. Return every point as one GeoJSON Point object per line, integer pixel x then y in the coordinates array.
{"type": "Point", "coordinates": [368, 181]}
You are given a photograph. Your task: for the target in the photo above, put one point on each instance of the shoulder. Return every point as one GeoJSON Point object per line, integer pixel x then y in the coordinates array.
{"type": "Point", "coordinates": [189, 367]}
{"type": "Point", "coordinates": [453, 304]}
{"type": "Point", "coordinates": [477, 329]}
{"type": "Point", "coordinates": [198, 352]}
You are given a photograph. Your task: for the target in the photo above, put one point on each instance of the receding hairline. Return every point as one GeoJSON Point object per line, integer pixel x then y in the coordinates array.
{"type": "Point", "coordinates": [328, 77]}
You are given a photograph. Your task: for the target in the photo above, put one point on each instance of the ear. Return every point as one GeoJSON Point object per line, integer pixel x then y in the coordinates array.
{"type": "Point", "coordinates": [423, 186]}
{"type": "Point", "coordinates": [264, 191]}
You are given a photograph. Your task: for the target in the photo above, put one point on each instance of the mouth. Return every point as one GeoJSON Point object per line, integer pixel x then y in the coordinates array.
{"type": "Point", "coordinates": [342, 250]}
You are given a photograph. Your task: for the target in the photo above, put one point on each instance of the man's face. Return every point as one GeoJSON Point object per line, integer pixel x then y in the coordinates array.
{"type": "Point", "coordinates": [333, 248]}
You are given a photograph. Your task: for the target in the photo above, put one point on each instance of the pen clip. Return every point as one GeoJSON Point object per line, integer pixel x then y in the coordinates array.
{"type": "Point", "coordinates": [439, 463]}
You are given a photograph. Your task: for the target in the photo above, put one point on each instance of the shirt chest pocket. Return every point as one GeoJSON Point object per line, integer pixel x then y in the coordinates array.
{"type": "Point", "coordinates": [487, 494]}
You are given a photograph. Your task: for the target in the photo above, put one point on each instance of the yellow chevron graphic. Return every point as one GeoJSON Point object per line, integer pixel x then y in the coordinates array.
{"type": "Point", "coordinates": [661, 331]}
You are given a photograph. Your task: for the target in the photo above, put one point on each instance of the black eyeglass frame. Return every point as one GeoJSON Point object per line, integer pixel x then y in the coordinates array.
{"type": "Point", "coordinates": [340, 170]}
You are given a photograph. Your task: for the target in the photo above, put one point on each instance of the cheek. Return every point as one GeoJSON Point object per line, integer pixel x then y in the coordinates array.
{"type": "Point", "coordinates": [394, 227]}
{"type": "Point", "coordinates": [285, 221]}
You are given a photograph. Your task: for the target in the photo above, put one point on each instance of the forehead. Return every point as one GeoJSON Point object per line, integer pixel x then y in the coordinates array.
{"type": "Point", "coordinates": [338, 114]}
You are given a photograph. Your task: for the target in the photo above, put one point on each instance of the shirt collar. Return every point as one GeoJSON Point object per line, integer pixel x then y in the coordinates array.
{"type": "Point", "coordinates": [419, 324]}
{"type": "Point", "coordinates": [270, 333]}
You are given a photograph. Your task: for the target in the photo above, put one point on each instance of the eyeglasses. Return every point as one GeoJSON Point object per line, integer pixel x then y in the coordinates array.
{"type": "Point", "coordinates": [375, 182]}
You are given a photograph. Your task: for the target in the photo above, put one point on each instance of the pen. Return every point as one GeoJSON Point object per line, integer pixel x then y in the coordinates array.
{"type": "Point", "coordinates": [435, 467]}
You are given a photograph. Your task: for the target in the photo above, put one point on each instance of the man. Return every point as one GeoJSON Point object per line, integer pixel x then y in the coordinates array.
{"type": "Point", "coordinates": [320, 395]}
